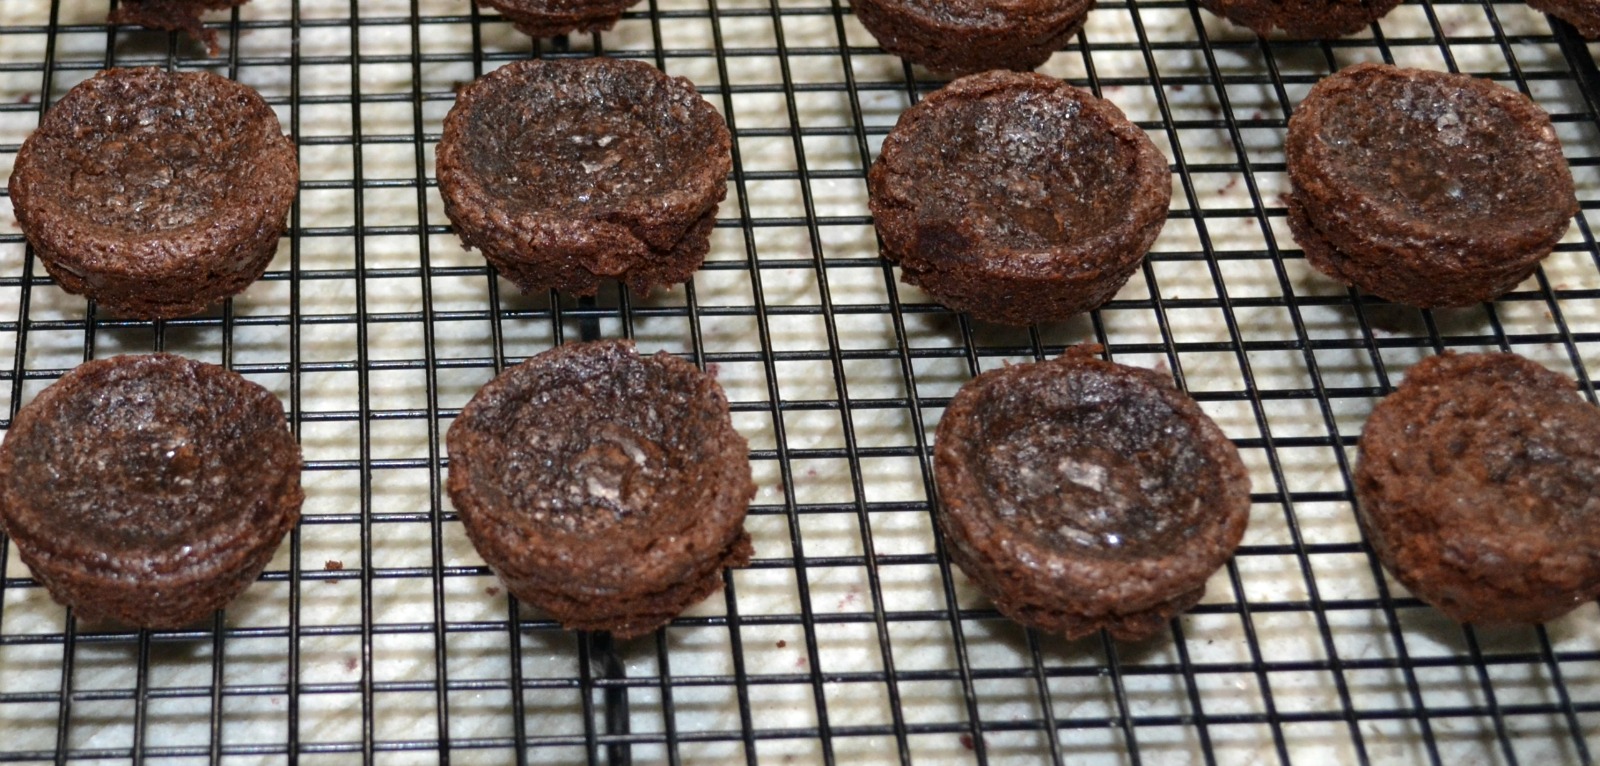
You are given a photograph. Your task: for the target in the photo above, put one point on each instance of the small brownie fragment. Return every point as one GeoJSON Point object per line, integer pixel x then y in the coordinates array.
{"type": "Point", "coordinates": [565, 173]}
{"type": "Point", "coordinates": [173, 16]}
{"type": "Point", "coordinates": [1583, 14]}
{"type": "Point", "coordinates": [553, 18]}
{"type": "Point", "coordinates": [1426, 188]}
{"type": "Point", "coordinates": [1082, 495]}
{"type": "Point", "coordinates": [156, 193]}
{"type": "Point", "coordinates": [1017, 197]}
{"type": "Point", "coordinates": [150, 489]}
{"type": "Point", "coordinates": [1478, 483]}
{"type": "Point", "coordinates": [606, 488]}
{"type": "Point", "coordinates": [968, 36]}
{"type": "Point", "coordinates": [1302, 19]}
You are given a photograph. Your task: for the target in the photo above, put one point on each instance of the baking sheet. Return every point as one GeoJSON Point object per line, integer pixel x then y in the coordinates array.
{"type": "Point", "coordinates": [378, 634]}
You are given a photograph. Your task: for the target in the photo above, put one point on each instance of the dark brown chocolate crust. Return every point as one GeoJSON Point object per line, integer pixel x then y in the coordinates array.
{"type": "Point", "coordinates": [1583, 14]}
{"type": "Point", "coordinates": [1082, 495]}
{"type": "Point", "coordinates": [1426, 188]}
{"type": "Point", "coordinates": [553, 18]}
{"type": "Point", "coordinates": [1017, 197]}
{"type": "Point", "coordinates": [1302, 19]}
{"type": "Point", "coordinates": [969, 36]}
{"type": "Point", "coordinates": [173, 15]}
{"type": "Point", "coordinates": [606, 488]}
{"type": "Point", "coordinates": [149, 489]}
{"type": "Point", "coordinates": [1478, 483]}
{"type": "Point", "coordinates": [566, 173]}
{"type": "Point", "coordinates": [155, 193]}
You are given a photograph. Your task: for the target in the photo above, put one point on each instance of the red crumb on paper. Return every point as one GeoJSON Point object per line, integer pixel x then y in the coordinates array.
{"type": "Point", "coordinates": [27, 98]}
{"type": "Point", "coordinates": [811, 473]}
{"type": "Point", "coordinates": [333, 565]}
{"type": "Point", "coordinates": [713, 369]}
{"type": "Point", "coordinates": [966, 742]}
{"type": "Point", "coordinates": [800, 662]}
{"type": "Point", "coordinates": [351, 663]}
{"type": "Point", "coordinates": [849, 598]}
{"type": "Point", "coordinates": [1258, 115]}
{"type": "Point", "coordinates": [492, 590]}
{"type": "Point", "coordinates": [782, 643]}
{"type": "Point", "coordinates": [1232, 182]}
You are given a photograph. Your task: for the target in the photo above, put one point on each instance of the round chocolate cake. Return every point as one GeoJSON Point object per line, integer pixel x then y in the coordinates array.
{"type": "Point", "coordinates": [1302, 19]}
{"type": "Point", "coordinates": [173, 16]}
{"type": "Point", "coordinates": [151, 489]}
{"type": "Point", "coordinates": [1479, 488]}
{"type": "Point", "coordinates": [969, 36]}
{"type": "Point", "coordinates": [567, 173]}
{"type": "Point", "coordinates": [606, 488]}
{"type": "Point", "coordinates": [1426, 188]}
{"type": "Point", "coordinates": [553, 18]}
{"type": "Point", "coordinates": [1082, 495]}
{"type": "Point", "coordinates": [1018, 198]}
{"type": "Point", "coordinates": [155, 193]}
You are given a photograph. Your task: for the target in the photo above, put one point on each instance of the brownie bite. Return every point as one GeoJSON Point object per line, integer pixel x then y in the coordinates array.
{"type": "Point", "coordinates": [1302, 19]}
{"type": "Point", "coordinates": [1478, 483]}
{"type": "Point", "coordinates": [568, 173]}
{"type": "Point", "coordinates": [155, 193]}
{"type": "Point", "coordinates": [553, 18]}
{"type": "Point", "coordinates": [1018, 198]}
{"type": "Point", "coordinates": [1426, 188]}
{"type": "Point", "coordinates": [606, 488]}
{"type": "Point", "coordinates": [1583, 14]}
{"type": "Point", "coordinates": [968, 36]}
{"type": "Point", "coordinates": [173, 16]}
{"type": "Point", "coordinates": [149, 489]}
{"type": "Point", "coordinates": [1082, 495]}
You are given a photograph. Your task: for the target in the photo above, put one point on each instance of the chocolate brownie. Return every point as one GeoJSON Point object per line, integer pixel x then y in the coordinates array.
{"type": "Point", "coordinates": [1302, 19]}
{"type": "Point", "coordinates": [149, 489]}
{"type": "Point", "coordinates": [566, 173]}
{"type": "Point", "coordinates": [553, 18]}
{"type": "Point", "coordinates": [1017, 197]}
{"type": "Point", "coordinates": [968, 36]}
{"type": "Point", "coordinates": [1583, 14]}
{"type": "Point", "coordinates": [173, 15]}
{"type": "Point", "coordinates": [1426, 188]}
{"type": "Point", "coordinates": [1082, 495]}
{"type": "Point", "coordinates": [155, 193]}
{"type": "Point", "coordinates": [1478, 483]}
{"type": "Point", "coordinates": [606, 488]}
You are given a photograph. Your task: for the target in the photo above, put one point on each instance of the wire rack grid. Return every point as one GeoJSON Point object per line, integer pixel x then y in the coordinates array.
{"type": "Point", "coordinates": [378, 635]}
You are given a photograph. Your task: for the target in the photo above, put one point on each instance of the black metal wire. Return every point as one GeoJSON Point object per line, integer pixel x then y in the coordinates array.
{"type": "Point", "coordinates": [613, 693]}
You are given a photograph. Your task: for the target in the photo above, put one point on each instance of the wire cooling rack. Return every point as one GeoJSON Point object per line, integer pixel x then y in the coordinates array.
{"type": "Point", "coordinates": [378, 635]}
